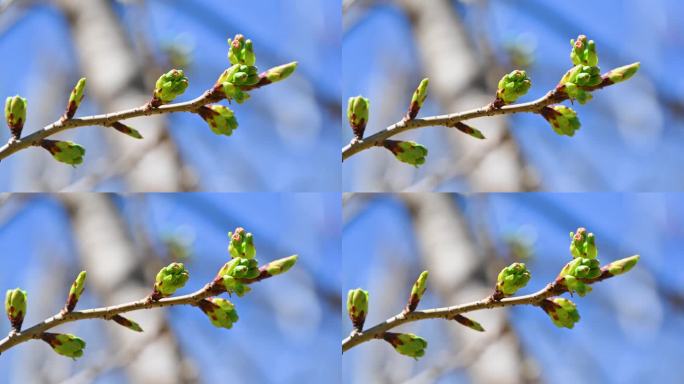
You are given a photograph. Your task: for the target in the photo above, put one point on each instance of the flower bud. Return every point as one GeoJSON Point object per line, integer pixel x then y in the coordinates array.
{"type": "Point", "coordinates": [512, 278]}
{"type": "Point", "coordinates": [583, 51]}
{"type": "Point", "coordinates": [235, 285]}
{"type": "Point", "coordinates": [470, 323]}
{"type": "Point", "coordinates": [468, 130]}
{"type": "Point", "coordinates": [128, 323]}
{"type": "Point", "coordinates": [417, 292]}
{"type": "Point", "coordinates": [240, 75]}
{"type": "Point", "coordinates": [15, 115]}
{"type": "Point", "coordinates": [75, 291]}
{"type": "Point", "coordinates": [278, 73]}
{"type": "Point", "coordinates": [406, 344]}
{"type": "Point", "coordinates": [512, 86]}
{"type": "Point", "coordinates": [169, 86]}
{"type": "Point", "coordinates": [622, 73]}
{"type": "Point", "coordinates": [577, 79]}
{"type": "Point", "coordinates": [126, 130]}
{"type": "Point", "coordinates": [221, 119]}
{"type": "Point", "coordinates": [357, 114]}
{"type": "Point", "coordinates": [75, 98]}
{"type": "Point", "coordinates": [221, 312]}
{"type": "Point", "coordinates": [563, 120]}
{"type": "Point", "coordinates": [563, 312]}
{"type": "Point", "coordinates": [240, 268]}
{"type": "Point", "coordinates": [280, 266]}
{"type": "Point", "coordinates": [241, 51]}
{"type": "Point", "coordinates": [169, 279]}
{"type": "Point", "coordinates": [417, 100]}
{"type": "Point", "coordinates": [66, 152]}
{"type": "Point", "coordinates": [234, 92]}
{"type": "Point", "coordinates": [583, 244]}
{"type": "Point", "coordinates": [408, 152]}
{"type": "Point", "coordinates": [15, 307]}
{"type": "Point", "coordinates": [241, 244]}
{"type": "Point", "coordinates": [621, 266]}
{"type": "Point", "coordinates": [357, 307]}
{"type": "Point", "coordinates": [576, 272]}
{"type": "Point", "coordinates": [65, 344]}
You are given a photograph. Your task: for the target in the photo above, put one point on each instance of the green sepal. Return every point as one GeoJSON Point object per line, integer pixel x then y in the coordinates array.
{"type": "Point", "coordinates": [66, 152]}
{"type": "Point", "coordinates": [407, 344]}
{"type": "Point", "coordinates": [357, 307]}
{"type": "Point", "coordinates": [75, 98]}
{"type": "Point", "coordinates": [128, 323]}
{"type": "Point", "coordinates": [563, 312]}
{"type": "Point", "coordinates": [170, 278]}
{"type": "Point", "coordinates": [75, 291]}
{"type": "Point", "coordinates": [221, 312]}
{"type": "Point", "coordinates": [169, 86]}
{"type": "Point", "coordinates": [358, 108]}
{"type": "Point", "coordinates": [512, 86]}
{"type": "Point", "coordinates": [583, 51]}
{"type": "Point", "coordinates": [15, 307]}
{"type": "Point", "coordinates": [241, 244]}
{"type": "Point", "coordinates": [563, 120]}
{"type": "Point", "coordinates": [65, 344]}
{"type": "Point", "coordinates": [221, 119]}
{"type": "Point", "coordinates": [15, 114]}
{"type": "Point", "coordinates": [621, 266]}
{"type": "Point", "coordinates": [512, 278]}
{"type": "Point", "coordinates": [408, 152]}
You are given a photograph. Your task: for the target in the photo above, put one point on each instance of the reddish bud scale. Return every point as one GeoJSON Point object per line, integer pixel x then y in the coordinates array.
{"type": "Point", "coordinates": [130, 324]}
{"type": "Point", "coordinates": [474, 325]}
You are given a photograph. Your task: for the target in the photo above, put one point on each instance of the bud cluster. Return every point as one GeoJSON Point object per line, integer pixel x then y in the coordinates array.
{"type": "Point", "coordinates": [511, 279]}
{"type": "Point", "coordinates": [563, 312]}
{"type": "Point", "coordinates": [408, 152]}
{"type": "Point", "coordinates": [169, 86]}
{"type": "Point", "coordinates": [406, 344]}
{"type": "Point", "coordinates": [563, 120]}
{"type": "Point", "coordinates": [512, 86]}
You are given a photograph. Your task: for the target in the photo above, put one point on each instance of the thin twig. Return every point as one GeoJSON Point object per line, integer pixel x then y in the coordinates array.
{"type": "Point", "coordinates": [107, 313]}
{"type": "Point", "coordinates": [555, 96]}
{"type": "Point", "coordinates": [375, 332]}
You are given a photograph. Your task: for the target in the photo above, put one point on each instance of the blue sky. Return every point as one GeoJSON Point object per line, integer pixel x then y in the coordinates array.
{"type": "Point", "coordinates": [288, 139]}
{"type": "Point", "coordinates": [287, 325]}
{"type": "Point", "coordinates": [629, 331]}
{"type": "Point", "coordinates": [631, 134]}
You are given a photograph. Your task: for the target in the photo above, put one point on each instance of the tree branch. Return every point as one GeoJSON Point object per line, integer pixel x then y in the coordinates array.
{"type": "Point", "coordinates": [448, 313]}
{"type": "Point", "coordinates": [555, 96]}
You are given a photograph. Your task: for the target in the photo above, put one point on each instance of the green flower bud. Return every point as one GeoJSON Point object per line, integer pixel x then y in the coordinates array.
{"type": "Point", "coordinates": [75, 291]}
{"type": "Point", "coordinates": [583, 51]}
{"type": "Point", "coordinates": [408, 152]}
{"type": "Point", "coordinates": [241, 244]}
{"type": "Point", "coordinates": [576, 272]}
{"type": "Point", "coordinates": [621, 266]}
{"type": "Point", "coordinates": [240, 268]}
{"type": "Point", "coordinates": [66, 152]}
{"type": "Point", "coordinates": [470, 323]}
{"type": "Point", "coordinates": [406, 344]}
{"type": "Point", "coordinates": [15, 115]}
{"type": "Point", "coordinates": [241, 51]}
{"type": "Point", "coordinates": [563, 312]}
{"type": "Point", "coordinates": [468, 130]}
{"type": "Point", "coordinates": [221, 119]}
{"type": "Point", "coordinates": [563, 120]}
{"type": "Point", "coordinates": [240, 75]}
{"type": "Point", "coordinates": [169, 86]}
{"type": "Point", "coordinates": [417, 100]}
{"type": "Point", "coordinates": [169, 279]}
{"type": "Point", "coordinates": [233, 92]}
{"type": "Point", "coordinates": [126, 130]}
{"type": "Point", "coordinates": [15, 307]}
{"type": "Point", "coordinates": [280, 266]}
{"type": "Point", "coordinates": [622, 73]}
{"type": "Point", "coordinates": [128, 323]}
{"type": "Point", "coordinates": [577, 79]}
{"type": "Point", "coordinates": [512, 278]}
{"type": "Point", "coordinates": [357, 307]}
{"type": "Point", "coordinates": [417, 292]}
{"type": "Point", "coordinates": [221, 312]}
{"type": "Point", "coordinates": [357, 114]}
{"type": "Point", "coordinates": [583, 244]}
{"type": "Point", "coordinates": [75, 98]}
{"type": "Point", "coordinates": [235, 285]}
{"type": "Point", "coordinates": [512, 86]}
{"type": "Point", "coordinates": [65, 344]}
{"type": "Point", "coordinates": [278, 73]}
